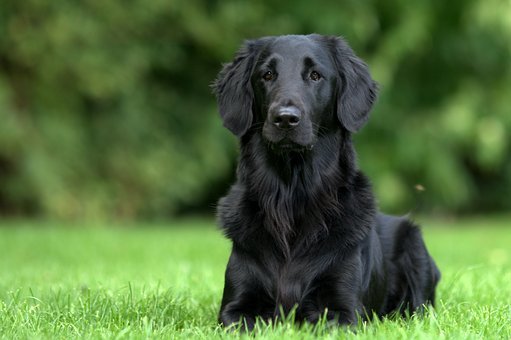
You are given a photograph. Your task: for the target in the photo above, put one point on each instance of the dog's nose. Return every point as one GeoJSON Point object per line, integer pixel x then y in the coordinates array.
{"type": "Point", "coordinates": [287, 117]}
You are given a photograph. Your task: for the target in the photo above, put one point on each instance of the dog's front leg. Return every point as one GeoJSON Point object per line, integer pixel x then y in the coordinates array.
{"type": "Point", "coordinates": [338, 293]}
{"type": "Point", "coordinates": [233, 314]}
{"type": "Point", "coordinates": [243, 298]}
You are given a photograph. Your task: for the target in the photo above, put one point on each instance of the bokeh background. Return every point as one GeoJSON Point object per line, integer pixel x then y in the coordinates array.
{"type": "Point", "coordinates": [106, 110]}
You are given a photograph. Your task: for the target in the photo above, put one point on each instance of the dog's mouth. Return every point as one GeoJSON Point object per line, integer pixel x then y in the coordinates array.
{"type": "Point", "coordinates": [287, 145]}
{"type": "Point", "coordinates": [298, 140]}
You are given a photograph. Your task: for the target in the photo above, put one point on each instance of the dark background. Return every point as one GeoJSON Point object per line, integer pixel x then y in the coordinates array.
{"type": "Point", "coordinates": [106, 110]}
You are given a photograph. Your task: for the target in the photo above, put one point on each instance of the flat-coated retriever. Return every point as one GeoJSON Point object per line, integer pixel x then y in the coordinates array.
{"type": "Point", "coordinates": [306, 234]}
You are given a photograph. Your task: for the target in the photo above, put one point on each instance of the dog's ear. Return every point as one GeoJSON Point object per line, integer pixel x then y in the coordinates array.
{"type": "Point", "coordinates": [234, 91]}
{"type": "Point", "coordinates": [358, 91]}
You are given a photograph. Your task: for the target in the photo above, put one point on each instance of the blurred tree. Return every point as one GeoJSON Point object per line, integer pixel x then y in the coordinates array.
{"type": "Point", "coordinates": [105, 108]}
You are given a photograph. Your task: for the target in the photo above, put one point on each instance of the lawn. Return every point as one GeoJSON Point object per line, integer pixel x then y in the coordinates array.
{"type": "Point", "coordinates": [165, 280]}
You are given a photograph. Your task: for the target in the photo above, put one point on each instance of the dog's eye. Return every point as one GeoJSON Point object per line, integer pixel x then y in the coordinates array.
{"type": "Point", "coordinates": [268, 76]}
{"type": "Point", "coordinates": [315, 76]}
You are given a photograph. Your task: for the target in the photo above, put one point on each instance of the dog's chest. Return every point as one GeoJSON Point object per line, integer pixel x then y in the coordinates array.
{"type": "Point", "coordinates": [290, 281]}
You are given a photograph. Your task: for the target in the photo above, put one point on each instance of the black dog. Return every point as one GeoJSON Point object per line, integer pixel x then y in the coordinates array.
{"type": "Point", "coordinates": [302, 219]}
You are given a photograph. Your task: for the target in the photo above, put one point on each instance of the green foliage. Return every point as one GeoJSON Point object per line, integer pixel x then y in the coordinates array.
{"type": "Point", "coordinates": [157, 282]}
{"type": "Point", "coordinates": [105, 108]}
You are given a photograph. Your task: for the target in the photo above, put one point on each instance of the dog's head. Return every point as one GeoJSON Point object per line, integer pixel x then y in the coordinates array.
{"type": "Point", "coordinates": [293, 88]}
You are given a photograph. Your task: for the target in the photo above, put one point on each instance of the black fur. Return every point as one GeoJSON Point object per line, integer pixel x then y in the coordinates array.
{"type": "Point", "coordinates": [302, 218]}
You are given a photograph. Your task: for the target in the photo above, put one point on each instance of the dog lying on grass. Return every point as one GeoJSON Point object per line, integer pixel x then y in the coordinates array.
{"type": "Point", "coordinates": [306, 234]}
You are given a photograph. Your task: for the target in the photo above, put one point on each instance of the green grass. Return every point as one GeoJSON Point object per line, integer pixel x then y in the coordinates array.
{"type": "Point", "coordinates": [154, 281]}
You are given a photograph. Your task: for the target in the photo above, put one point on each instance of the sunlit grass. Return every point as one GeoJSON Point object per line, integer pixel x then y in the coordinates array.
{"type": "Point", "coordinates": [166, 280]}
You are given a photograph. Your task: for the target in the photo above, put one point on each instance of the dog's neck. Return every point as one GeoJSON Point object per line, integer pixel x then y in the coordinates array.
{"type": "Point", "coordinates": [297, 189]}
{"type": "Point", "coordinates": [331, 163]}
